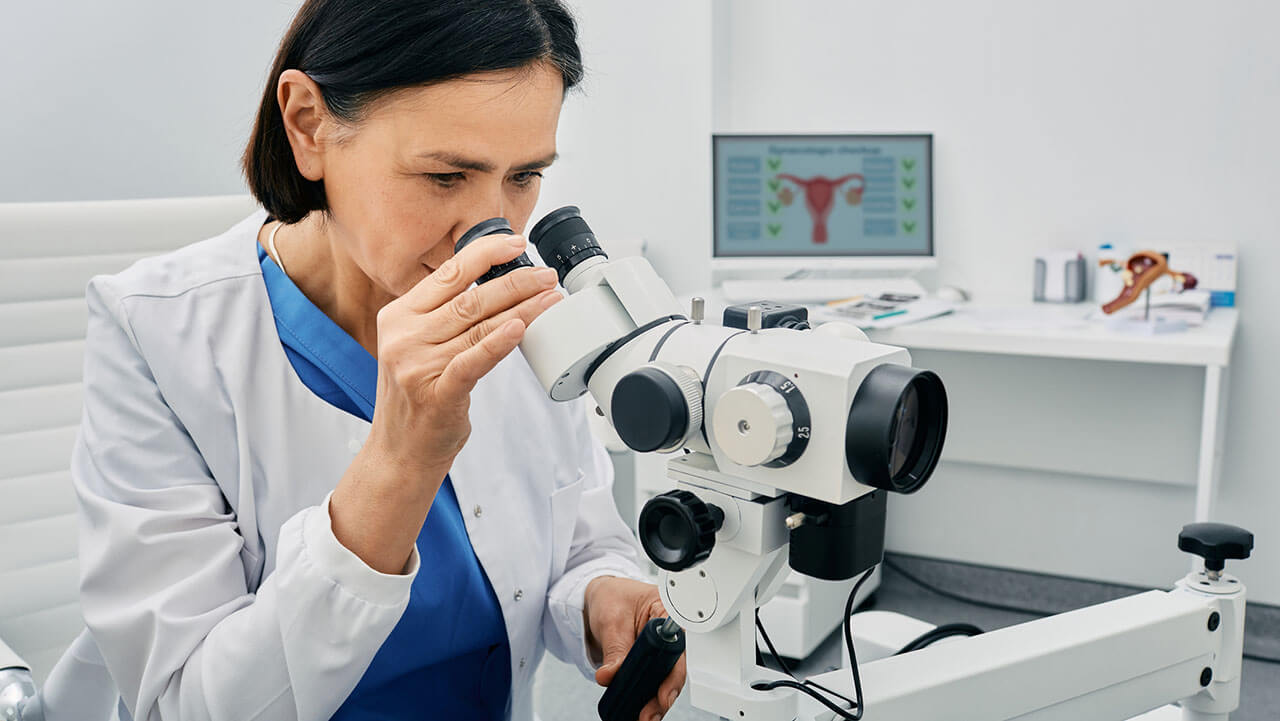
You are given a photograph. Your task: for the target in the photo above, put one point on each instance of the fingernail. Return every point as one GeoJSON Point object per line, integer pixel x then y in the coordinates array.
{"type": "Point", "coordinates": [550, 299]}
{"type": "Point", "coordinates": [545, 275]}
{"type": "Point", "coordinates": [516, 241]}
{"type": "Point", "coordinates": [671, 698]}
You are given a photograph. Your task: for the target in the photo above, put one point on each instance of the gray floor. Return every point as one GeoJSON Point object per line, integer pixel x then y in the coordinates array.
{"type": "Point", "coordinates": [560, 692]}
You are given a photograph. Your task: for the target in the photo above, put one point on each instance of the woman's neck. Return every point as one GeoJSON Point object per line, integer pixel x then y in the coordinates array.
{"type": "Point", "coordinates": [319, 265]}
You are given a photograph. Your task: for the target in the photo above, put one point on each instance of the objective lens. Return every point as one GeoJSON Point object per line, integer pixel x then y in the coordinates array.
{"type": "Point", "coordinates": [564, 240]}
{"type": "Point", "coordinates": [492, 226]}
{"type": "Point", "coordinates": [896, 427]}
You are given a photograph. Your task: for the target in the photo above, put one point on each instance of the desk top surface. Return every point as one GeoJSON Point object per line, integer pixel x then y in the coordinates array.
{"type": "Point", "coordinates": [1057, 331]}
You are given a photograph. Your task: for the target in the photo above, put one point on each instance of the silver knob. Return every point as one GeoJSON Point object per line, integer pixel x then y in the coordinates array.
{"type": "Point", "coordinates": [698, 310]}
{"type": "Point", "coordinates": [752, 424]}
{"type": "Point", "coordinates": [755, 318]}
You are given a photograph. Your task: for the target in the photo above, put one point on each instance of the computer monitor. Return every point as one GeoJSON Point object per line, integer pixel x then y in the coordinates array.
{"type": "Point", "coordinates": [789, 202]}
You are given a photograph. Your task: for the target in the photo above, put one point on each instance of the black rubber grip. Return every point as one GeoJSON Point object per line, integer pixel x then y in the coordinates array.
{"type": "Point", "coordinates": [643, 670]}
{"type": "Point", "coordinates": [493, 226]}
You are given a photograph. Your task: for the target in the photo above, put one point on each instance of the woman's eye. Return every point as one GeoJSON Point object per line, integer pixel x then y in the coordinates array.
{"type": "Point", "coordinates": [526, 177]}
{"type": "Point", "coordinates": [445, 180]}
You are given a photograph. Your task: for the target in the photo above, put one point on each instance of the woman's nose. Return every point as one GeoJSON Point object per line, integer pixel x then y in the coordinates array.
{"type": "Point", "coordinates": [479, 226]}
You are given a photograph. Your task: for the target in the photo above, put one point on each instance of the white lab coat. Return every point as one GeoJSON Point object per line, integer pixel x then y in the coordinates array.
{"type": "Point", "coordinates": [211, 582]}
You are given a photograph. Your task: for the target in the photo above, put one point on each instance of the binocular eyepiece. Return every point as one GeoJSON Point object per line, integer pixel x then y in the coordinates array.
{"type": "Point", "coordinates": [563, 239]}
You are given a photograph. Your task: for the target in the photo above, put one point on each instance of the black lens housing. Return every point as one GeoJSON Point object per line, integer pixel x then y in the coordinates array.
{"type": "Point", "coordinates": [871, 433]}
{"type": "Point", "coordinates": [564, 240]}
{"type": "Point", "coordinates": [492, 226]}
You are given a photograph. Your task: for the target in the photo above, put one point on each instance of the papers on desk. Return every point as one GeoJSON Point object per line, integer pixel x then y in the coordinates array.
{"type": "Point", "coordinates": [882, 310]}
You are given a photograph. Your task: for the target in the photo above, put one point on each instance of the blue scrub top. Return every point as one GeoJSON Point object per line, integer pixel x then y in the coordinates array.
{"type": "Point", "coordinates": [448, 657]}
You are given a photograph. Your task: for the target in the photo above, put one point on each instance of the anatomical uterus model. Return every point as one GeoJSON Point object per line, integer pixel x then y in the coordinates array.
{"type": "Point", "coordinates": [819, 197]}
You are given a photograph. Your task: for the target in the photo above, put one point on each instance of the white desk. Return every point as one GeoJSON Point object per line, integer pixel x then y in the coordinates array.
{"type": "Point", "coordinates": [1053, 331]}
{"type": "Point", "coordinates": [970, 329]}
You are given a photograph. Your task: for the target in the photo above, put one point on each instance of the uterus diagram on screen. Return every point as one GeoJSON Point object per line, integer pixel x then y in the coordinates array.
{"type": "Point", "coordinates": [819, 196]}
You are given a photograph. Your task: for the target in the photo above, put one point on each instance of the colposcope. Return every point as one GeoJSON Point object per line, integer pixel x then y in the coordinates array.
{"type": "Point", "coordinates": [792, 440]}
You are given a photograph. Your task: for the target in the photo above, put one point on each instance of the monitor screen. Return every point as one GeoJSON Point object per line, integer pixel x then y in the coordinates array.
{"type": "Point", "coordinates": [822, 195]}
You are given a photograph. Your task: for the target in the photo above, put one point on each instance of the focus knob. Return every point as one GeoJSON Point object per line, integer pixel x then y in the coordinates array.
{"type": "Point", "coordinates": [657, 407]}
{"type": "Point", "coordinates": [678, 530]}
{"type": "Point", "coordinates": [753, 424]}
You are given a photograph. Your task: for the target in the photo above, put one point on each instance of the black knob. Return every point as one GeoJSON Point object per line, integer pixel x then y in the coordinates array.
{"type": "Point", "coordinates": [678, 530]}
{"type": "Point", "coordinates": [649, 410]}
{"type": "Point", "coordinates": [1215, 543]}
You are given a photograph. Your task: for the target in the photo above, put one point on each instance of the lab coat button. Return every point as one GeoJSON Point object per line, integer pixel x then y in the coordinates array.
{"type": "Point", "coordinates": [519, 594]}
{"type": "Point", "coordinates": [522, 663]}
{"type": "Point", "coordinates": [353, 445]}
{"type": "Point", "coordinates": [478, 511]}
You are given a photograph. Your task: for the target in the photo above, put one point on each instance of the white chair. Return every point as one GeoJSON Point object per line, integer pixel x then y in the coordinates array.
{"type": "Point", "coordinates": [48, 252]}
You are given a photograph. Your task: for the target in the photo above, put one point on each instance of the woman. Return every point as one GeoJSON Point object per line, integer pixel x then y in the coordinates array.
{"type": "Point", "coordinates": [315, 480]}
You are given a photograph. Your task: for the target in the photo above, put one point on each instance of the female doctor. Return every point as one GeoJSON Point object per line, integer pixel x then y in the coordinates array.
{"type": "Point", "coordinates": [315, 481]}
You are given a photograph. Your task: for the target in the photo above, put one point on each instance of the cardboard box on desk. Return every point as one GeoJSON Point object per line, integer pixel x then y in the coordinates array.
{"type": "Point", "coordinates": [1214, 267]}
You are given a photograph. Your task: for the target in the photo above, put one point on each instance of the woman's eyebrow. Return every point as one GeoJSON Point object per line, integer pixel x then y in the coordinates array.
{"type": "Point", "coordinates": [464, 163]}
{"type": "Point", "coordinates": [539, 163]}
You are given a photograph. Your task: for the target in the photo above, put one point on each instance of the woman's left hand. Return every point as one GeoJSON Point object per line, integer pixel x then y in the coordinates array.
{"type": "Point", "coordinates": [616, 610]}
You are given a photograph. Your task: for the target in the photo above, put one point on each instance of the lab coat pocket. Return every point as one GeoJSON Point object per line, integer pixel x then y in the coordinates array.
{"type": "Point", "coordinates": [564, 518]}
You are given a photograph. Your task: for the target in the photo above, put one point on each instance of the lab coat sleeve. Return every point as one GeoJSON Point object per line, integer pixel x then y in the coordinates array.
{"type": "Point", "coordinates": [163, 568]}
{"type": "Point", "coordinates": [602, 546]}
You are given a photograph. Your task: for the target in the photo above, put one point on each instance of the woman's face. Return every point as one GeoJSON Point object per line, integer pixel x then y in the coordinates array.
{"type": "Point", "coordinates": [425, 164]}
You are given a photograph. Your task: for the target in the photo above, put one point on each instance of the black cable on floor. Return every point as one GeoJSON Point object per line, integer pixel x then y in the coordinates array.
{"type": "Point", "coordinates": [1002, 607]}
{"type": "Point", "coordinates": [933, 635]}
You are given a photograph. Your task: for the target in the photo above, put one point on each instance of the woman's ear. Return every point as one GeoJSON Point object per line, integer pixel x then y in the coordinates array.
{"type": "Point", "coordinates": [304, 113]}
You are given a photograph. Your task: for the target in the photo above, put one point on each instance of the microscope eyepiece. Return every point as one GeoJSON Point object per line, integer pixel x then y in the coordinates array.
{"type": "Point", "coordinates": [492, 226]}
{"type": "Point", "coordinates": [564, 240]}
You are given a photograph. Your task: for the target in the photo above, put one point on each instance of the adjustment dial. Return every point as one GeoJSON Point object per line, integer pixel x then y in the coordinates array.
{"type": "Point", "coordinates": [763, 421]}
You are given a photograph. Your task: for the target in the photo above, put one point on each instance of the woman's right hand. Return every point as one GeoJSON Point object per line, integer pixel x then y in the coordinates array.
{"type": "Point", "coordinates": [434, 344]}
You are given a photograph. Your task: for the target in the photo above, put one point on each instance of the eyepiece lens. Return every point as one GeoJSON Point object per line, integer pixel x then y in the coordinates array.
{"type": "Point", "coordinates": [492, 226]}
{"type": "Point", "coordinates": [564, 240]}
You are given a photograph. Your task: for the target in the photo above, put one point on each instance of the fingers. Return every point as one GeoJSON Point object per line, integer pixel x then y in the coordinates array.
{"type": "Point", "coordinates": [473, 307]}
{"type": "Point", "coordinates": [460, 271]}
{"type": "Point", "coordinates": [615, 647]}
{"type": "Point", "coordinates": [480, 349]}
{"type": "Point", "coordinates": [467, 367]}
{"type": "Point", "coordinates": [670, 688]}
{"type": "Point", "coordinates": [526, 312]}
{"type": "Point", "coordinates": [668, 692]}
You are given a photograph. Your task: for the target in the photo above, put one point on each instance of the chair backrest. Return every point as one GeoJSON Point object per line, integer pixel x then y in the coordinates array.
{"type": "Point", "coordinates": [48, 252]}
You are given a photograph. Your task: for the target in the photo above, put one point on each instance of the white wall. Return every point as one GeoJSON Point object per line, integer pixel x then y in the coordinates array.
{"type": "Point", "coordinates": [1059, 124]}
{"type": "Point", "coordinates": [634, 142]}
{"type": "Point", "coordinates": [131, 98]}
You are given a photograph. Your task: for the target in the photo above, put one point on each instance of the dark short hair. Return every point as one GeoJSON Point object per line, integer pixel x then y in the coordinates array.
{"type": "Point", "coordinates": [358, 51]}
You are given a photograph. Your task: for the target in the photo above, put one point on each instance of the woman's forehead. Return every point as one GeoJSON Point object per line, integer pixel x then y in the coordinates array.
{"type": "Point", "coordinates": [506, 108]}
{"type": "Point", "coordinates": [530, 88]}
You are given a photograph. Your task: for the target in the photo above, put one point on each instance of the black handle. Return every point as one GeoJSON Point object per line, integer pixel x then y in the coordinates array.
{"type": "Point", "coordinates": [1215, 543]}
{"type": "Point", "coordinates": [649, 662]}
